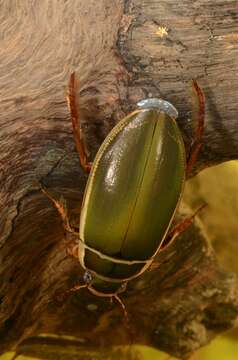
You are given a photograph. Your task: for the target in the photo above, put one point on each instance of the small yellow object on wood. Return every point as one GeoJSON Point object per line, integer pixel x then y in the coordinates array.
{"type": "Point", "coordinates": [162, 31]}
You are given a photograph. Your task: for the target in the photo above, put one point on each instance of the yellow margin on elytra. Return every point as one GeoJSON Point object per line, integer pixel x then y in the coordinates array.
{"type": "Point", "coordinates": [99, 154]}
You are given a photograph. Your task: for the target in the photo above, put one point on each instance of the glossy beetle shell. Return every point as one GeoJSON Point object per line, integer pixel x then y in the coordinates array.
{"type": "Point", "coordinates": [132, 193]}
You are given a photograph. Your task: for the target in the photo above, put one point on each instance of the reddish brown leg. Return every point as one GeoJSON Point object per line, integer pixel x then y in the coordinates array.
{"type": "Point", "coordinates": [197, 143]}
{"type": "Point", "coordinates": [61, 296]}
{"type": "Point", "coordinates": [77, 287]}
{"type": "Point", "coordinates": [183, 225]}
{"type": "Point", "coordinates": [176, 231]}
{"type": "Point", "coordinates": [119, 300]}
{"type": "Point", "coordinates": [60, 205]}
{"type": "Point", "coordinates": [72, 104]}
{"type": "Point", "coordinates": [72, 248]}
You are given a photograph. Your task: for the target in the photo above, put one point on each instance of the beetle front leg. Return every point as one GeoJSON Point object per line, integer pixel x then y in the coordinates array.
{"type": "Point", "coordinates": [75, 118]}
{"type": "Point", "coordinates": [197, 143]}
{"type": "Point", "coordinates": [63, 295]}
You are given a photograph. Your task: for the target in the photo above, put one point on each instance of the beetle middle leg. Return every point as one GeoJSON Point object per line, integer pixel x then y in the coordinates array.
{"type": "Point", "coordinates": [197, 143]}
{"type": "Point", "coordinates": [75, 118]}
{"type": "Point", "coordinates": [60, 205]}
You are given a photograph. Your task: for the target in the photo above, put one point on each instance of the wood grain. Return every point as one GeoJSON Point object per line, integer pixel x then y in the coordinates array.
{"type": "Point", "coordinates": [202, 44]}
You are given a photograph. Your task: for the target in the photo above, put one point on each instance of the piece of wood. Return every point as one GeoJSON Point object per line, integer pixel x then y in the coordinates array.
{"type": "Point", "coordinates": [120, 56]}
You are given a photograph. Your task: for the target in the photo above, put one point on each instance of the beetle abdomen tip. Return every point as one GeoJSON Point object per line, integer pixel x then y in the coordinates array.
{"type": "Point", "coordinates": [163, 105]}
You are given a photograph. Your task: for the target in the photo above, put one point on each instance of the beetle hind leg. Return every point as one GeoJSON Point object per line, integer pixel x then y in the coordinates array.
{"type": "Point", "coordinates": [182, 226]}
{"type": "Point", "coordinates": [177, 230]}
{"type": "Point", "coordinates": [75, 118]}
{"type": "Point", "coordinates": [197, 143]}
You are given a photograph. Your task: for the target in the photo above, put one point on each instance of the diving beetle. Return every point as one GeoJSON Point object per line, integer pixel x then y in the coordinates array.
{"type": "Point", "coordinates": [134, 187]}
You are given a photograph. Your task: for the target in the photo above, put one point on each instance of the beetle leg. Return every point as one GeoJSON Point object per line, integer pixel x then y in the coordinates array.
{"type": "Point", "coordinates": [197, 143]}
{"type": "Point", "coordinates": [176, 231]}
{"type": "Point", "coordinates": [117, 298]}
{"type": "Point", "coordinates": [63, 295]}
{"type": "Point", "coordinates": [182, 226]}
{"type": "Point", "coordinates": [77, 287]}
{"type": "Point", "coordinates": [72, 249]}
{"type": "Point", "coordinates": [61, 207]}
{"type": "Point", "coordinates": [75, 118]}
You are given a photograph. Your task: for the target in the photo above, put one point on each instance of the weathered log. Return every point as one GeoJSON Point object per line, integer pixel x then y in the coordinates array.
{"type": "Point", "coordinates": [120, 56]}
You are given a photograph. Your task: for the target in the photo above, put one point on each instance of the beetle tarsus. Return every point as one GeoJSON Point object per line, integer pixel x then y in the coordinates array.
{"type": "Point", "coordinates": [197, 143]}
{"type": "Point", "coordinates": [75, 118]}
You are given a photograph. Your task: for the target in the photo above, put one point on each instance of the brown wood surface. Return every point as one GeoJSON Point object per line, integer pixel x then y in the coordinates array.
{"type": "Point", "coordinates": [119, 58]}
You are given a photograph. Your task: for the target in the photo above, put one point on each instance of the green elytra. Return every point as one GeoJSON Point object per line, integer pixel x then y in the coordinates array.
{"type": "Point", "coordinates": [129, 203]}
{"type": "Point", "coordinates": [133, 190]}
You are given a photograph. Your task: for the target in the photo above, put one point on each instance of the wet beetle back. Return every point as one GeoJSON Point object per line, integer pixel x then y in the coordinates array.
{"type": "Point", "coordinates": [133, 190]}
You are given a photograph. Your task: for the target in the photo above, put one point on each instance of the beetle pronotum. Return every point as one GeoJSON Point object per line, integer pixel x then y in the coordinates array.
{"type": "Point", "coordinates": [134, 188]}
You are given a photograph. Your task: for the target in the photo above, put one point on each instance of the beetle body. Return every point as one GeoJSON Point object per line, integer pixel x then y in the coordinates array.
{"type": "Point", "coordinates": [133, 190]}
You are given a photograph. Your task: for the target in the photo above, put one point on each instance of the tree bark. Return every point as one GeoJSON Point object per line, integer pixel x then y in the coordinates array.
{"type": "Point", "coordinates": [119, 55]}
